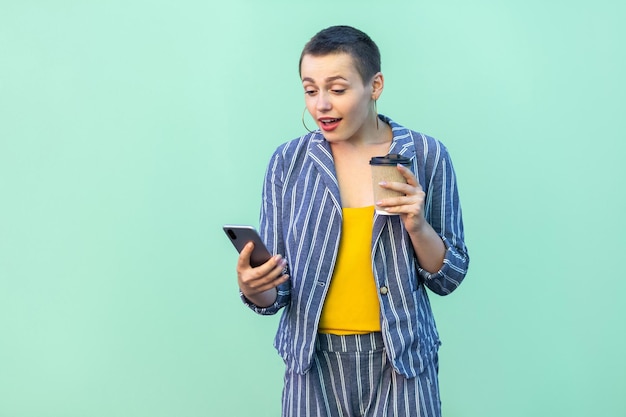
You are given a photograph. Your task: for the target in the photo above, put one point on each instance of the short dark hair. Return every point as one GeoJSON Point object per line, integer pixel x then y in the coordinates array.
{"type": "Point", "coordinates": [346, 39]}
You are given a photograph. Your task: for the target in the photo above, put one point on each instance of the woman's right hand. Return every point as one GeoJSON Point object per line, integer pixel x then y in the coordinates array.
{"type": "Point", "coordinates": [259, 284]}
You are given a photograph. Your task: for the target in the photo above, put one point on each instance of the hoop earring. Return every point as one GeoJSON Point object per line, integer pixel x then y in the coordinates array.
{"type": "Point", "coordinates": [376, 113]}
{"type": "Point", "coordinates": [304, 124]}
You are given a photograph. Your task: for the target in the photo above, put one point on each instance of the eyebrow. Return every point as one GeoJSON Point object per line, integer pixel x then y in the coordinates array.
{"type": "Point", "coordinates": [329, 79]}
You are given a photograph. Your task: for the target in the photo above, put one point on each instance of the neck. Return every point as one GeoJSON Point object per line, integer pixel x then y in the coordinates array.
{"type": "Point", "coordinates": [370, 135]}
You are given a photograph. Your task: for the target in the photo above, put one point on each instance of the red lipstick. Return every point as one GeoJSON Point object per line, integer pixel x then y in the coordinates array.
{"type": "Point", "coordinates": [328, 124]}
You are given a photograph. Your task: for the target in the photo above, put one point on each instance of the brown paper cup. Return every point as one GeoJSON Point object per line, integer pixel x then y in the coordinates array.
{"type": "Point", "coordinates": [384, 168]}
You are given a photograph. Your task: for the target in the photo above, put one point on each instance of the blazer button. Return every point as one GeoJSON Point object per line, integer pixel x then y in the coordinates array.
{"type": "Point", "coordinates": [384, 290]}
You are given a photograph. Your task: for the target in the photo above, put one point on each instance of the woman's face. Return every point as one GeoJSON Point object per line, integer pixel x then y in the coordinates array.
{"type": "Point", "coordinates": [337, 98]}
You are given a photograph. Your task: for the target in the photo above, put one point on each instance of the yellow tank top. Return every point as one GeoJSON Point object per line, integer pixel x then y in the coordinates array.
{"type": "Point", "coordinates": [351, 305]}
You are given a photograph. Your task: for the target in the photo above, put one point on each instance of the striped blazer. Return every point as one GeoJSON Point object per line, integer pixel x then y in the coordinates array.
{"type": "Point", "coordinates": [301, 220]}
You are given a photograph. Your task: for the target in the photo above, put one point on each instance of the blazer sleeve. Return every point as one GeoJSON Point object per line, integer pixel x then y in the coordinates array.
{"type": "Point", "coordinates": [443, 212]}
{"type": "Point", "coordinates": [271, 229]}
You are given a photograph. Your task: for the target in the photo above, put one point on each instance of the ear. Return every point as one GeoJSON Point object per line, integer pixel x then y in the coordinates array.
{"type": "Point", "coordinates": [377, 84]}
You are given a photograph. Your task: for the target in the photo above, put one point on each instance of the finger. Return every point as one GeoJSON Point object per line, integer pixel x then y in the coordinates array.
{"type": "Point", "coordinates": [243, 262]}
{"type": "Point", "coordinates": [404, 191]}
{"type": "Point", "coordinates": [404, 204]}
{"type": "Point", "coordinates": [408, 175]}
{"type": "Point", "coordinates": [263, 273]}
{"type": "Point", "coordinates": [256, 284]}
{"type": "Point", "coordinates": [244, 256]}
{"type": "Point", "coordinates": [272, 283]}
{"type": "Point", "coordinates": [268, 271]}
{"type": "Point", "coordinates": [403, 188]}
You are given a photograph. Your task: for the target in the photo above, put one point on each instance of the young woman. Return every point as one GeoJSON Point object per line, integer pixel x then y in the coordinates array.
{"type": "Point", "coordinates": [357, 332]}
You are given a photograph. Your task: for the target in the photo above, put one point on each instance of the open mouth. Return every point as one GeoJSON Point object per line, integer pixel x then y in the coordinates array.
{"type": "Point", "coordinates": [329, 123]}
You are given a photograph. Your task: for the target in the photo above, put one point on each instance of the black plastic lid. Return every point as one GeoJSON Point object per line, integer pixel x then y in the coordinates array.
{"type": "Point", "coordinates": [390, 159]}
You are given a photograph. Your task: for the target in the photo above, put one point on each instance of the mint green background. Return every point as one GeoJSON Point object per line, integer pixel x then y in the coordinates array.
{"type": "Point", "coordinates": [130, 131]}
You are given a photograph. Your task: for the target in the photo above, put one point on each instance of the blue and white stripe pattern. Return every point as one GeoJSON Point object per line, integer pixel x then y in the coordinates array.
{"type": "Point", "coordinates": [351, 376]}
{"type": "Point", "coordinates": [301, 220]}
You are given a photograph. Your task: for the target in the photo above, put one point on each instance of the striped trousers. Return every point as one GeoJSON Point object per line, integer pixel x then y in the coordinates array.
{"type": "Point", "coordinates": [351, 376]}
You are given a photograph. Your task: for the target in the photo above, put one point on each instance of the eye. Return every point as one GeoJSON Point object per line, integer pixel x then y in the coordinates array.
{"type": "Point", "coordinates": [310, 92]}
{"type": "Point", "coordinates": [338, 91]}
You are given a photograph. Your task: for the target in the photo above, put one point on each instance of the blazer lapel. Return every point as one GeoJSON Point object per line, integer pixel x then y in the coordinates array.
{"type": "Point", "coordinates": [320, 153]}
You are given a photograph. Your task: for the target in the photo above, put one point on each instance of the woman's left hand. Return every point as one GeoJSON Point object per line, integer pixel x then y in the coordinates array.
{"type": "Point", "coordinates": [410, 207]}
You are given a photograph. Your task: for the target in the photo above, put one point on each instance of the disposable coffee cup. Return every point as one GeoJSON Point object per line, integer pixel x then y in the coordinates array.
{"type": "Point", "coordinates": [384, 168]}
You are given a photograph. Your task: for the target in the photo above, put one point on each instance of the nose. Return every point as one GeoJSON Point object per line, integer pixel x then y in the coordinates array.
{"type": "Point", "coordinates": [323, 102]}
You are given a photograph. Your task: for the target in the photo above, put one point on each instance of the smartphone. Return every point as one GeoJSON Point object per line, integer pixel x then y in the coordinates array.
{"type": "Point", "coordinates": [239, 235]}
